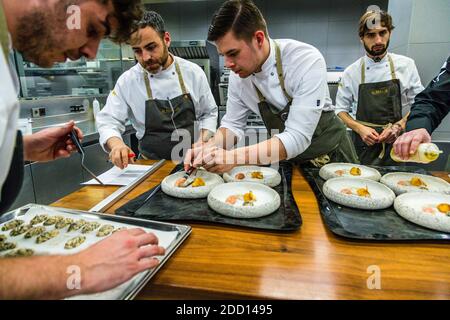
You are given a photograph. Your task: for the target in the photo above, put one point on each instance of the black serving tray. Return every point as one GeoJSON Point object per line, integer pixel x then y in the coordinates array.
{"type": "Point", "coordinates": [376, 225]}
{"type": "Point", "coordinates": [163, 207]}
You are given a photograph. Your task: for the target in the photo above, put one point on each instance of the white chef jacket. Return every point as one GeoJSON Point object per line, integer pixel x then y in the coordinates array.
{"type": "Point", "coordinates": [405, 71]}
{"type": "Point", "coordinates": [305, 77]}
{"type": "Point", "coordinates": [9, 116]}
{"type": "Point", "coordinates": [127, 100]}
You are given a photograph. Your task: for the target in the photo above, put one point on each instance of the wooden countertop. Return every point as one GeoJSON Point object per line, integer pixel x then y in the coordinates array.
{"type": "Point", "coordinates": [220, 262]}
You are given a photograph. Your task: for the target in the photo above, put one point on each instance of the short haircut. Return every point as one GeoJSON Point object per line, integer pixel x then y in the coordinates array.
{"type": "Point", "coordinates": [371, 17]}
{"type": "Point", "coordinates": [154, 20]}
{"type": "Point", "coordinates": [127, 13]}
{"type": "Point", "coordinates": [242, 17]}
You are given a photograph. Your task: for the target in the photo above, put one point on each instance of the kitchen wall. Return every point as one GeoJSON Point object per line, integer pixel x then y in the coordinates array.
{"type": "Point", "coordinates": [331, 26]}
{"type": "Point", "coordinates": [422, 34]}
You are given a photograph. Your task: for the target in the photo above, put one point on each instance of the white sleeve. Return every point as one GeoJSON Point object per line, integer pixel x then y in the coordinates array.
{"type": "Point", "coordinates": [237, 113]}
{"type": "Point", "coordinates": [111, 120]}
{"type": "Point", "coordinates": [415, 85]}
{"type": "Point", "coordinates": [344, 96]}
{"type": "Point", "coordinates": [208, 106]}
{"type": "Point", "coordinates": [306, 109]}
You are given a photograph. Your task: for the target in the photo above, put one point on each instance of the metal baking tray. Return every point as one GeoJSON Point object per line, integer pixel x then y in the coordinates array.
{"type": "Point", "coordinates": [170, 235]}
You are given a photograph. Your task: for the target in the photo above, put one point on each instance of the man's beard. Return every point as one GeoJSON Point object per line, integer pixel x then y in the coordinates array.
{"type": "Point", "coordinates": [377, 53]}
{"type": "Point", "coordinates": [38, 35]}
{"type": "Point", "coordinates": [160, 63]}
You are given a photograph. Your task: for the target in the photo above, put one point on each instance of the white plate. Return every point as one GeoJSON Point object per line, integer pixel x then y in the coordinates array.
{"type": "Point", "coordinates": [211, 181]}
{"type": "Point", "coordinates": [328, 171]}
{"type": "Point", "coordinates": [271, 177]}
{"type": "Point", "coordinates": [381, 196]}
{"type": "Point", "coordinates": [267, 200]}
{"type": "Point", "coordinates": [434, 184]}
{"type": "Point", "coordinates": [410, 206]}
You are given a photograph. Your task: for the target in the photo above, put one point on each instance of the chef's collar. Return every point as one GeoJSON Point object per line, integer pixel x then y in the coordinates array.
{"type": "Point", "coordinates": [162, 73]}
{"type": "Point", "coordinates": [269, 63]}
{"type": "Point", "coordinates": [370, 61]}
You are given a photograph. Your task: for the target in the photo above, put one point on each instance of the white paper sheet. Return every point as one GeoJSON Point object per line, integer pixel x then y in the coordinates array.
{"type": "Point", "coordinates": [119, 177]}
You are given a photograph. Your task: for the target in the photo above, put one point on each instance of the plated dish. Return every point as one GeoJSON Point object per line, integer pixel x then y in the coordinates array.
{"type": "Point", "coordinates": [350, 170]}
{"type": "Point", "coordinates": [244, 200]}
{"type": "Point", "coordinates": [359, 193]}
{"type": "Point", "coordinates": [265, 175]}
{"type": "Point", "coordinates": [430, 210]}
{"type": "Point", "coordinates": [402, 182]}
{"type": "Point", "coordinates": [201, 186]}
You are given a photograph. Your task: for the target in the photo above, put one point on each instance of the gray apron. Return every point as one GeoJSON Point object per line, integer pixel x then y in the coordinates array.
{"type": "Point", "coordinates": [330, 141]}
{"type": "Point", "coordinates": [379, 106]}
{"type": "Point", "coordinates": [164, 117]}
{"type": "Point", "coordinates": [13, 183]}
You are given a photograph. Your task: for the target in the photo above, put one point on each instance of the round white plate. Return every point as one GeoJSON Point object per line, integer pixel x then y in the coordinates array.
{"type": "Point", "coordinates": [338, 169]}
{"type": "Point", "coordinates": [411, 206]}
{"type": "Point", "coordinates": [434, 184]}
{"type": "Point", "coordinates": [381, 197]}
{"type": "Point", "coordinates": [271, 177]}
{"type": "Point", "coordinates": [211, 181]}
{"type": "Point", "coordinates": [267, 200]}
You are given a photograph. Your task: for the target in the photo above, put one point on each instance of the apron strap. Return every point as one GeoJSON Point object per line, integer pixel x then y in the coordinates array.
{"type": "Point", "coordinates": [391, 65]}
{"type": "Point", "coordinates": [180, 77]}
{"type": "Point", "coordinates": [4, 38]}
{"type": "Point", "coordinates": [279, 64]}
{"type": "Point", "coordinates": [180, 80]}
{"type": "Point", "coordinates": [147, 86]}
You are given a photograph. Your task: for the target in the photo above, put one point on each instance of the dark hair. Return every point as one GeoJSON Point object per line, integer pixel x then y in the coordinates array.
{"type": "Point", "coordinates": [380, 16]}
{"type": "Point", "coordinates": [154, 20]}
{"type": "Point", "coordinates": [127, 13]}
{"type": "Point", "coordinates": [242, 17]}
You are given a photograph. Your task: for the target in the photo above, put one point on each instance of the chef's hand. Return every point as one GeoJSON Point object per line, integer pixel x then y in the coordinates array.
{"type": "Point", "coordinates": [369, 135]}
{"type": "Point", "coordinates": [50, 144]}
{"type": "Point", "coordinates": [217, 160]}
{"type": "Point", "coordinates": [390, 134]}
{"type": "Point", "coordinates": [196, 153]}
{"type": "Point", "coordinates": [407, 144]}
{"type": "Point", "coordinates": [121, 155]}
{"type": "Point", "coordinates": [111, 262]}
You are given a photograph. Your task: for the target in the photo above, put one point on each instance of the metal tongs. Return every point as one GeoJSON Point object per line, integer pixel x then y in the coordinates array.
{"type": "Point", "coordinates": [189, 175]}
{"type": "Point", "coordinates": [76, 141]}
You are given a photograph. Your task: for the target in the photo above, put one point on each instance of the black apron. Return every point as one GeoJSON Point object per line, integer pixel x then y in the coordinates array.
{"type": "Point", "coordinates": [13, 183]}
{"type": "Point", "coordinates": [379, 107]}
{"type": "Point", "coordinates": [330, 142]}
{"type": "Point", "coordinates": [164, 118]}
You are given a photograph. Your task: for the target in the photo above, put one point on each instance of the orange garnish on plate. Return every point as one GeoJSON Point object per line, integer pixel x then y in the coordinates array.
{"type": "Point", "coordinates": [417, 182]}
{"type": "Point", "coordinates": [198, 182]}
{"type": "Point", "coordinates": [444, 208]}
{"type": "Point", "coordinates": [363, 192]}
{"type": "Point", "coordinates": [355, 171]}
{"type": "Point", "coordinates": [257, 175]}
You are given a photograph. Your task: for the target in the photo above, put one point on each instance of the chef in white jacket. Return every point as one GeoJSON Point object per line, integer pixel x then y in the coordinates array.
{"type": "Point", "coordinates": [284, 81]}
{"type": "Point", "coordinates": [163, 96]}
{"type": "Point", "coordinates": [381, 86]}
